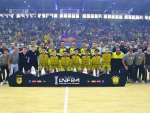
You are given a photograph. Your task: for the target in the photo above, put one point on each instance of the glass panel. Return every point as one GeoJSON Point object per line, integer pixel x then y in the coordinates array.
{"type": "Point", "coordinates": [105, 15]}
{"type": "Point", "coordinates": [120, 17]}
{"type": "Point", "coordinates": [100, 16]}
{"type": "Point", "coordinates": [133, 17]}
{"type": "Point", "coordinates": [109, 16]}
{"type": "Point", "coordinates": [88, 16]}
{"type": "Point", "coordinates": [146, 17]}
{"type": "Point", "coordinates": [77, 15]}
{"type": "Point", "coordinates": [140, 17]}
{"type": "Point", "coordinates": [92, 15]}
{"type": "Point", "coordinates": [55, 15]}
{"type": "Point", "coordinates": [83, 15]}
{"type": "Point", "coordinates": [47, 14]}
{"type": "Point", "coordinates": [126, 16]}
{"type": "Point", "coordinates": [69, 15]}
{"type": "Point", "coordinates": [96, 15]}
{"type": "Point", "coordinates": [129, 16]}
{"type": "Point", "coordinates": [61, 15]}
{"type": "Point", "coordinates": [73, 15]}
{"type": "Point", "coordinates": [65, 15]}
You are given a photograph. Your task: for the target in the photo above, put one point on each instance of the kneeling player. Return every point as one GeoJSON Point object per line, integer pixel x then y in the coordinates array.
{"type": "Point", "coordinates": [106, 61]}
{"type": "Point", "coordinates": [86, 61]}
{"type": "Point", "coordinates": [54, 61]}
{"type": "Point", "coordinates": [65, 62]}
{"type": "Point", "coordinates": [43, 61]}
{"type": "Point", "coordinates": [96, 61]}
{"type": "Point", "coordinates": [76, 61]}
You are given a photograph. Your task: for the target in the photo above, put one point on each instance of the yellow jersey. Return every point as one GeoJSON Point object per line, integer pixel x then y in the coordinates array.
{"type": "Point", "coordinates": [43, 58]}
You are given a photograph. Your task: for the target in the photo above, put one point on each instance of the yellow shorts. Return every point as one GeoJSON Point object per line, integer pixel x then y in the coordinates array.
{"type": "Point", "coordinates": [65, 68]}
{"type": "Point", "coordinates": [106, 66]}
{"type": "Point", "coordinates": [88, 67]}
{"type": "Point", "coordinates": [78, 67]}
{"type": "Point", "coordinates": [52, 67]}
{"type": "Point", "coordinates": [43, 65]}
{"type": "Point", "coordinates": [96, 67]}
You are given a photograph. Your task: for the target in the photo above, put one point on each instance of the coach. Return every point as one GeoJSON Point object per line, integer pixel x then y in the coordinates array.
{"type": "Point", "coordinates": [139, 64]}
{"type": "Point", "coordinates": [4, 65]}
{"type": "Point", "coordinates": [127, 62]}
{"type": "Point", "coordinates": [13, 61]}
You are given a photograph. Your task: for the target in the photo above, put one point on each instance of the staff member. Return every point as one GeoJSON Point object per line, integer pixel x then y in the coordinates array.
{"type": "Point", "coordinates": [23, 60]}
{"type": "Point", "coordinates": [140, 64]}
{"type": "Point", "coordinates": [33, 59]}
{"type": "Point", "coordinates": [13, 61]}
{"type": "Point", "coordinates": [116, 62]}
{"type": "Point", "coordinates": [127, 62]}
{"type": "Point", "coordinates": [4, 66]}
{"type": "Point", "coordinates": [147, 61]}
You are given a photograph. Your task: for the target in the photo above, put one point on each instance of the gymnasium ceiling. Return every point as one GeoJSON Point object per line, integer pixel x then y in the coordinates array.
{"type": "Point", "coordinates": [86, 6]}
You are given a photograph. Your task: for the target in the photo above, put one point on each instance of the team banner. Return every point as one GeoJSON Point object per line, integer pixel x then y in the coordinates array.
{"type": "Point", "coordinates": [58, 79]}
{"type": "Point", "coordinates": [120, 12]}
{"type": "Point", "coordinates": [70, 11]}
{"type": "Point", "coordinates": [20, 11]}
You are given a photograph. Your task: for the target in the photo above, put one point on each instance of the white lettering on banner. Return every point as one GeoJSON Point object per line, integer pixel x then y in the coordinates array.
{"type": "Point", "coordinates": [120, 12]}
{"type": "Point", "coordinates": [20, 11]}
{"type": "Point", "coordinates": [71, 11]}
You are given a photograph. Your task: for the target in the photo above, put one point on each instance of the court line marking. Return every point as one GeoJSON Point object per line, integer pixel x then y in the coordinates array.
{"type": "Point", "coordinates": [66, 101]}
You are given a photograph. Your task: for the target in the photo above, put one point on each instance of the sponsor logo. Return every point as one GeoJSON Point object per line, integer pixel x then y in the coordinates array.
{"type": "Point", "coordinates": [93, 81]}
{"type": "Point", "coordinates": [39, 81]}
{"type": "Point", "coordinates": [30, 81]}
{"type": "Point", "coordinates": [33, 81]}
{"type": "Point", "coordinates": [67, 80]}
{"type": "Point", "coordinates": [115, 80]}
{"type": "Point", "coordinates": [98, 81]}
{"type": "Point", "coordinates": [18, 79]}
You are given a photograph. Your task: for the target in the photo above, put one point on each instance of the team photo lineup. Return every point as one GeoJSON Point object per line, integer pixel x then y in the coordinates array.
{"type": "Point", "coordinates": [130, 59]}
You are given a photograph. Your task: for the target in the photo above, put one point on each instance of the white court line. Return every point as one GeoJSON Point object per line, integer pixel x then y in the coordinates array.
{"type": "Point", "coordinates": [66, 101]}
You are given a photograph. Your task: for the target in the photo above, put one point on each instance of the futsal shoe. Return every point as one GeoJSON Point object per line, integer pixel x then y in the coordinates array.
{"type": "Point", "coordinates": [136, 82]}
{"type": "Point", "coordinates": [1, 83]}
{"type": "Point", "coordinates": [7, 82]}
{"type": "Point", "coordinates": [143, 82]}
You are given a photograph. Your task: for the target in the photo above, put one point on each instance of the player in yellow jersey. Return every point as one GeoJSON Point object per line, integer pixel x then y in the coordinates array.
{"type": "Point", "coordinates": [92, 51]}
{"type": "Point", "coordinates": [106, 61]}
{"type": "Point", "coordinates": [62, 48]}
{"type": "Point", "coordinates": [86, 61]}
{"type": "Point", "coordinates": [83, 48]}
{"type": "Point", "coordinates": [76, 61]}
{"type": "Point", "coordinates": [51, 48]}
{"type": "Point", "coordinates": [65, 62]}
{"type": "Point", "coordinates": [43, 61]}
{"type": "Point", "coordinates": [54, 61]}
{"type": "Point", "coordinates": [42, 44]}
{"type": "Point", "coordinates": [71, 50]}
{"type": "Point", "coordinates": [96, 61]}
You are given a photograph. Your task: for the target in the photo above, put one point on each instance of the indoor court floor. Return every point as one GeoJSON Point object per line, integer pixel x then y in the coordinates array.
{"type": "Point", "coordinates": [133, 98]}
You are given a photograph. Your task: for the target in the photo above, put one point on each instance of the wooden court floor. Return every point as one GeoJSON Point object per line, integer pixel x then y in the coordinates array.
{"type": "Point", "coordinates": [130, 99]}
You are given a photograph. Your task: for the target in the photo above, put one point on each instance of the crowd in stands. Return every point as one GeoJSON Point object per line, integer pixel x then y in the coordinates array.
{"type": "Point", "coordinates": [24, 30]}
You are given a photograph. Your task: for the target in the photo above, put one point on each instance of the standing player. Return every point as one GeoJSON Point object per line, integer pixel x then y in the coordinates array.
{"type": "Point", "coordinates": [4, 65]}
{"type": "Point", "coordinates": [13, 61]}
{"type": "Point", "coordinates": [76, 61]}
{"type": "Point", "coordinates": [128, 61]}
{"type": "Point", "coordinates": [93, 48]}
{"type": "Point", "coordinates": [42, 44]}
{"type": "Point", "coordinates": [43, 61]}
{"type": "Point", "coordinates": [106, 61]}
{"type": "Point", "coordinates": [23, 60]}
{"type": "Point", "coordinates": [147, 62]}
{"type": "Point", "coordinates": [140, 64]}
{"type": "Point", "coordinates": [51, 48]}
{"type": "Point", "coordinates": [96, 62]}
{"type": "Point", "coordinates": [54, 61]}
{"type": "Point", "coordinates": [33, 57]}
{"type": "Point", "coordinates": [86, 61]}
{"type": "Point", "coordinates": [62, 48]}
{"type": "Point", "coordinates": [65, 62]}
{"type": "Point", "coordinates": [71, 50]}
{"type": "Point", "coordinates": [84, 47]}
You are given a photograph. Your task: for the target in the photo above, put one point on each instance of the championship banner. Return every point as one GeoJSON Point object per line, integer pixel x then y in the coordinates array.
{"type": "Point", "coordinates": [64, 79]}
{"type": "Point", "coordinates": [70, 11]}
{"type": "Point", "coordinates": [20, 11]}
{"type": "Point", "coordinates": [120, 12]}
